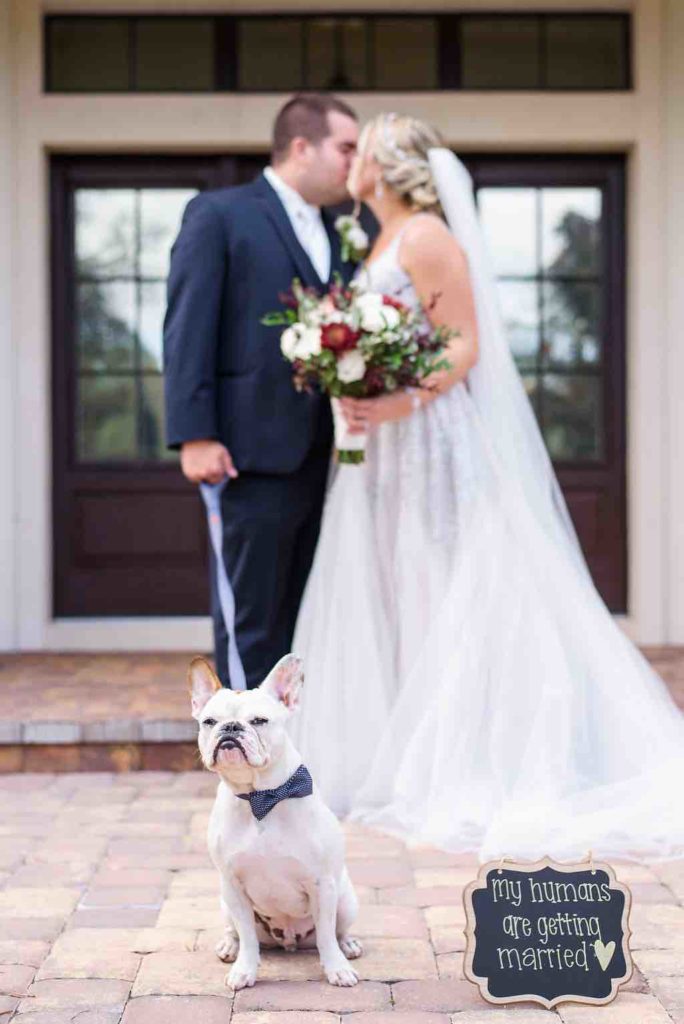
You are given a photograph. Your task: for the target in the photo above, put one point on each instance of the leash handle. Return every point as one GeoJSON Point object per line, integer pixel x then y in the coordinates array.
{"type": "Point", "coordinates": [211, 495]}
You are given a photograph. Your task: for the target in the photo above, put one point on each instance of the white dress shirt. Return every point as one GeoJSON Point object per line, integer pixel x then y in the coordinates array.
{"type": "Point", "coordinates": [307, 223]}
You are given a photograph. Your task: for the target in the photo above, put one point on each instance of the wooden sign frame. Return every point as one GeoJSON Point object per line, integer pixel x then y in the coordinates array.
{"type": "Point", "coordinates": [507, 864]}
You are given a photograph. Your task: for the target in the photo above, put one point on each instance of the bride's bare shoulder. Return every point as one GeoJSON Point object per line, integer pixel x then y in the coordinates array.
{"type": "Point", "coordinates": [425, 224]}
{"type": "Point", "coordinates": [427, 237]}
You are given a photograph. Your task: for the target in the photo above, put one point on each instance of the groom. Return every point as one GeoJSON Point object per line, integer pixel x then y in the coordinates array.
{"type": "Point", "coordinates": [231, 407]}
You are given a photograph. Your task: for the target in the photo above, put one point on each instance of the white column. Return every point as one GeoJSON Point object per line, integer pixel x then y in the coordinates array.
{"type": "Point", "coordinates": [674, 307]}
{"type": "Point", "coordinates": [8, 623]}
{"type": "Point", "coordinates": [32, 333]}
{"type": "Point", "coordinates": [646, 347]}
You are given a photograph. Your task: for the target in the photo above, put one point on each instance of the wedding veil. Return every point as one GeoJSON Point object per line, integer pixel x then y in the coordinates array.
{"type": "Point", "coordinates": [509, 424]}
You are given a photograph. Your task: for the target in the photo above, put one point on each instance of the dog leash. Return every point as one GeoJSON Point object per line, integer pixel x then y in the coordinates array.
{"type": "Point", "coordinates": [211, 495]}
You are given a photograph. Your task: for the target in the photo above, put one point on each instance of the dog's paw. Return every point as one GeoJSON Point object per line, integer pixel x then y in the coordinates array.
{"type": "Point", "coordinates": [351, 947]}
{"type": "Point", "coordinates": [341, 974]}
{"type": "Point", "coordinates": [241, 975]}
{"type": "Point", "coordinates": [227, 948]}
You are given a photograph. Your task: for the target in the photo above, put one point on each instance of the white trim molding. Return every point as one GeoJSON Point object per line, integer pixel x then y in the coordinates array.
{"type": "Point", "coordinates": [673, 504]}
{"type": "Point", "coordinates": [8, 565]}
{"type": "Point", "coordinates": [124, 634]}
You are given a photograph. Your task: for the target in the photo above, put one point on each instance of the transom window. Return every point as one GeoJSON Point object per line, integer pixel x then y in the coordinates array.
{"type": "Point", "coordinates": [341, 52]}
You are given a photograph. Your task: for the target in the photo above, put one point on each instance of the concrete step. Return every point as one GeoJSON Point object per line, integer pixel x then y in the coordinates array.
{"type": "Point", "coordinates": [96, 712]}
{"type": "Point", "coordinates": [129, 712]}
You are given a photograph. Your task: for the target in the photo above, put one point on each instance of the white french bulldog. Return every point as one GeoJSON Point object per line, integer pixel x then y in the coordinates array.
{"type": "Point", "coordinates": [278, 848]}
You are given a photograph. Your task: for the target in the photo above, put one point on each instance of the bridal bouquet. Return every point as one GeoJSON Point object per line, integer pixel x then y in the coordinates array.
{"type": "Point", "coordinates": [351, 342]}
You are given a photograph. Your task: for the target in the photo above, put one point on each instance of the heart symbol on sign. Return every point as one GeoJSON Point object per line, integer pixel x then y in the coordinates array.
{"type": "Point", "coordinates": [604, 954]}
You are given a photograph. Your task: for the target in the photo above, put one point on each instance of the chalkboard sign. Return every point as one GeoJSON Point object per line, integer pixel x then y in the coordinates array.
{"type": "Point", "coordinates": [547, 932]}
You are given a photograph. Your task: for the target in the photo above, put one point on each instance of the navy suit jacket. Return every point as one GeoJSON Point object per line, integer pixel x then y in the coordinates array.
{"type": "Point", "coordinates": [225, 376]}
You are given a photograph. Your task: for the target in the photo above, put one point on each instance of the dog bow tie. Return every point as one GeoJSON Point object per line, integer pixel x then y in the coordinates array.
{"type": "Point", "coordinates": [262, 801]}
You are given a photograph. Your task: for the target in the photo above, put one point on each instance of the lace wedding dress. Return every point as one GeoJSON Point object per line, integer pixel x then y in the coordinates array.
{"type": "Point", "coordinates": [456, 693]}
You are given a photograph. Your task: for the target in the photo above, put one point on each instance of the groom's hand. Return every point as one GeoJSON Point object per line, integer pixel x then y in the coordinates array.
{"type": "Point", "coordinates": [206, 461]}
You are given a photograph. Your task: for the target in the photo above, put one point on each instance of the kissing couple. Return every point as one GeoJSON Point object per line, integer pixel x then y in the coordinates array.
{"type": "Point", "coordinates": [466, 684]}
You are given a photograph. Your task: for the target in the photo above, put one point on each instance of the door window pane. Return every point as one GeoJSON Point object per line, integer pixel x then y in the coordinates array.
{"type": "Point", "coordinates": [509, 217]}
{"type": "Point", "coordinates": [105, 231]}
{"type": "Point", "coordinates": [270, 54]}
{"type": "Point", "coordinates": [174, 54]}
{"type": "Point", "coordinates": [571, 231]}
{"type": "Point", "coordinates": [161, 210]}
{"type": "Point", "coordinates": [88, 54]}
{"type": "Point", "coordinates": [531, 385]}
{"type": "Point", "coordinates": [500, 53]}
{"type": "Point", "coordinates": [572, 420]}
{"type": "Point", "coordinates": [106, 317]}
{"type": "Point", "coordinates": [106, 422]}
{"type": "Point", "coordinates": [152, 439]}
{"type": "Point", "coordinates": [520, 308]}
{"type": "Point", "coordinates": [571, 324]}
{"type": "Point", "coordinates": [152, 310]}
{"type": "Point", "coordinates": [405, 53]}
{"type": "Point", "coordinates": [586, 53]}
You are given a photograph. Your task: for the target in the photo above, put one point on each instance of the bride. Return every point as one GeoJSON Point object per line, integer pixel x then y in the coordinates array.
{"type": "Point", "coordinates": [467, 686]}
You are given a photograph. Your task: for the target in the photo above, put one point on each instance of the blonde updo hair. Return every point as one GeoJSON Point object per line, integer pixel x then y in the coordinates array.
{"type": "Point", "coordinates": [400, 145]}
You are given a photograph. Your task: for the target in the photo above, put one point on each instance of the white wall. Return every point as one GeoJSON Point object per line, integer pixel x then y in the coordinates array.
{"type": "Point", "coordinates": [629, 122]}
{"type": "Point", "coordinates": [8, 623]}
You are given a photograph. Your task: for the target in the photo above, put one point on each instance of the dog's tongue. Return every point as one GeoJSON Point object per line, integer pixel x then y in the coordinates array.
{"type": "Point", "coordinates": [229, 755]}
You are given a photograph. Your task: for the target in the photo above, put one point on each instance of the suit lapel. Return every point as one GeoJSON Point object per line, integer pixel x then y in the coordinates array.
{"type": "Point", "coordinates": [276, 213]}
{"type": "Point", "coordinates": [336, 264]}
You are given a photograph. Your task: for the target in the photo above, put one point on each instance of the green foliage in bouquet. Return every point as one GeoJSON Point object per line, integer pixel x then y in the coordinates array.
{"type": "Point", "coordinates": [355, 343]}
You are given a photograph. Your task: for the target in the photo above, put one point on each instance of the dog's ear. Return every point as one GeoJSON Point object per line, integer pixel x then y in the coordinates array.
{"type": "Point", "coordinates": [285, 680]}
{"type": "Point", "coordinates": [202, 683]}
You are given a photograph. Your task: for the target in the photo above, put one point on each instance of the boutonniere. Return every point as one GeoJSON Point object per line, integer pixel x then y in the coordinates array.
{"type": "Point", "coordinates": [353, 238]}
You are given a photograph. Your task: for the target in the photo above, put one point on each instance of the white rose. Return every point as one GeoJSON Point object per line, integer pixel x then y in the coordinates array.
{"type": "Point", "coordinates": [372, 320]}
{"type": "Point", "coordinates": [358, 238]}
{"type": "Point", "coordinates": [309, 343]}
{"type": "Point", "coordinates": [367, 308]}
{"type": "Point", "coordinates": [289, 340]}
{"type": "Point", "coordinates": [392, 317]}
{"type": "Point", "coordinates": [300, 342]}
{"type": "Point", "coordinates": [369, 300]}
{"type": "Point", "coordinates": [351, 367]}
{"type": "Point", "coordinates": [375, 316]}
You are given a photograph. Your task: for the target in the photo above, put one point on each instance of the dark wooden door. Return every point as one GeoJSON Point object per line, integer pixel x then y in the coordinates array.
{"type": "Point", "coordinates": [129, 534]}
{"type": "Point", "coordinates": [128, 531]}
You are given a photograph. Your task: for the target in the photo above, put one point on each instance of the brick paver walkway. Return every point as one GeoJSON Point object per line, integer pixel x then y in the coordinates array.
{"type": "Point", "coordinates": [109, 914]}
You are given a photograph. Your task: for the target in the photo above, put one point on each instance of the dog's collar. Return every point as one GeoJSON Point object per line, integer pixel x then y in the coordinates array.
{"type": "Point", "coordinates": [262, 801]}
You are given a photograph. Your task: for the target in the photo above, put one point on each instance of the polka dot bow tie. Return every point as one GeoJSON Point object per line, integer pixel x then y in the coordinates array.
{"type": "Point", "coordinates": [262, 801]}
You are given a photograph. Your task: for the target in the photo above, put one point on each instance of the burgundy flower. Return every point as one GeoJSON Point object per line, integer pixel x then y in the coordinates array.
{"type": "Point", "coordinates": [374, 381]}
{"type": "Point", "coordinates": [288, 299]}
{"type": "Point", "coordinates": [338, 337]}
{"type": "Point", "coordinates": [388, 300]}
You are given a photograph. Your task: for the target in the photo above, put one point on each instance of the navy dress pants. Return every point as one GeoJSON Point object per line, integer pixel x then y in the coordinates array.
{"type": "Point", "coordinates": [270, 528]}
